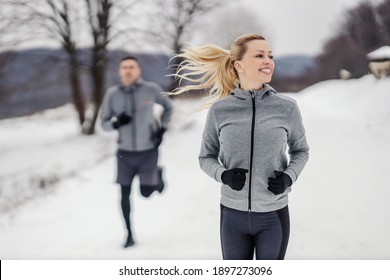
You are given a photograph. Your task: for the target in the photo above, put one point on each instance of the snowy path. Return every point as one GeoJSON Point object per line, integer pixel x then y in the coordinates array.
{"type": "Point", "coordinates": [338, 206]}
{"type": "Point", "coordinates": [81, 218]}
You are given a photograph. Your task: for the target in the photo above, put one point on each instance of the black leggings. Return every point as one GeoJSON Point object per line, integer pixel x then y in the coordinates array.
{"type": "Point", "coordinates": [243, 233]}
{"type": "Point", "coordinates": [125, 203]}
{"type": "Point", "coordinates": [146, 191]}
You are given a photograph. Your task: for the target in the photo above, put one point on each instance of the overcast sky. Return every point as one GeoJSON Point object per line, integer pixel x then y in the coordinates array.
{"type": "Point", "coordinates": [300, 26]}
{"type": "Point", "coordinates": [291, 26]}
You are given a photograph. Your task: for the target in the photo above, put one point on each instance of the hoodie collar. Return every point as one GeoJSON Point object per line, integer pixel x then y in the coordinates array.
{"type": "Point", "coordinates": [259, 93]}
{"type": "Point", "coordinates": [131, 87]}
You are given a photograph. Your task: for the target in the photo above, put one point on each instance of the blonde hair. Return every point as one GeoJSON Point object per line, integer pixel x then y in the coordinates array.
{"type": "Point", "coordinates": [211, 68]}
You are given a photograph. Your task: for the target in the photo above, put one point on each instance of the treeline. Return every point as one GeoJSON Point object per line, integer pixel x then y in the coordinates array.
{"type": "Point", "coordinates": [38, 79]}
{"type": "Point", "coordinates": [96, 25]}
{"type": "Point", "coordinates": [100, 24]}
{"type": "Point", "coordinates": [360, 30]}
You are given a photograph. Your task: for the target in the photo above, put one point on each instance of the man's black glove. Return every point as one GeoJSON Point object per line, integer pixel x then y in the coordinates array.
{"type": "Point", "coordinates": [122, 119]}
{"type": "Point", "coordinates": [234, 178]}
{"type": "Point", "coordinates": [158, 136]}
{"type": "Point", "coordinates": [279, 184]}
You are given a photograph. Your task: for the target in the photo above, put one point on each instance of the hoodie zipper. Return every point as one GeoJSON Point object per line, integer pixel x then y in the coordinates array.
{"type": "Point", "coordinates": [252, 148]}
{"type": "Point", "coordinates": [133, 113]}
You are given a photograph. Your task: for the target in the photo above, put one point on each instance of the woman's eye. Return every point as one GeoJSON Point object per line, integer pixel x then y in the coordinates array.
{"type": "Point", "coordinates": [271, 57]}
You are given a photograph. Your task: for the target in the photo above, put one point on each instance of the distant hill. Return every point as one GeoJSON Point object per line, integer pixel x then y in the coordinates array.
{"type": "Point", "coordinates": [294, 66]}
{"type": "Point", "coordinates": [37, 79]}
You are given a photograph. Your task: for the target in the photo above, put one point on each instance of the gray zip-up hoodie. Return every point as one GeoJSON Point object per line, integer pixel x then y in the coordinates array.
{"type": "Point", "coordinates": [137, 101]}
{"type": "Point", "coordinates": [252, 130]}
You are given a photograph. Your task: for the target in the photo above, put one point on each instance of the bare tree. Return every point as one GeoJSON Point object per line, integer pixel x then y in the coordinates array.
{"type": "Point", "coordinates": [175, 23]}
{"type": "Point", "coordinates": [4, 91]}
{"type": "Point", "coordinates": [98, 14]}
{"type": "Point", "coordinates": [8, 13]}
{"type": "Point", "coordinates": [102, 24]}
{"type": "Point", "coordinates": [3, 27]}
{"type": "Point", "coordinates": [359, 33]}
{"type": "Point", "coordinates": [362, 26]}
{"type": "Point", "coordinates": [231, 30]}
{"type": "Point", "coordinates": [55, 20]}
{"type": "Point", "coordinates": [73, 24]}
{"type": "Point", "coordinates": [383, 11]}
{"type": "Point", "coordinates": [63, 28]}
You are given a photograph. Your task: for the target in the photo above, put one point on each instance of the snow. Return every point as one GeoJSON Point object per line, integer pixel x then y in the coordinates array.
{"type": "Point", "coordinates": [381, 53]}
{"type": "Point", "coordinates": [58, 199]}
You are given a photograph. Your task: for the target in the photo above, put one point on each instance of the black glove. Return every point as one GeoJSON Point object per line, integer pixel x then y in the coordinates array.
{"type": "Point", "coordinates": [234, 178]}
{"type": "Point", "coordinates": [122, 119]}
{"type": "Point", "coordinates": [279, 184]}
{"type": "Point", "coordinates": [158, 136]}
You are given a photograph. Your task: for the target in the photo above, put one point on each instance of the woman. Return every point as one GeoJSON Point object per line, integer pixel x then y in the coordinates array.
{"type": "Point", "coordinates": [247, 132]}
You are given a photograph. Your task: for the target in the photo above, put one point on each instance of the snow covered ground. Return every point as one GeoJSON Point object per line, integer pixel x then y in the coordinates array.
{"type": "Point", "coordinates": [58, 199]}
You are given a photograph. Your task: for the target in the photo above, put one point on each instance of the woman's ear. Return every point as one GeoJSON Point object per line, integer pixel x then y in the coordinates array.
{"type": "Point", "coordinates": [237, 65]}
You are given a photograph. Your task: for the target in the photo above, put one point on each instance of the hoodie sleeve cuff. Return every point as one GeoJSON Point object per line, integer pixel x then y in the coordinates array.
{"type": "Point", "coordinates": [219, 174]}
{"type": "Point", "coordinates": [291, 174]}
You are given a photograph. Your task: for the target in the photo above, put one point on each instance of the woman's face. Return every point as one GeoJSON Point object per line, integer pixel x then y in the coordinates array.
{"type": "Point", "coordinates": [257, 65]}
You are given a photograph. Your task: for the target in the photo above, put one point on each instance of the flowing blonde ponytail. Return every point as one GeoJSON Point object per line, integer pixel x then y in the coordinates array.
{"type": "Point", "coordinates": [211, 68]}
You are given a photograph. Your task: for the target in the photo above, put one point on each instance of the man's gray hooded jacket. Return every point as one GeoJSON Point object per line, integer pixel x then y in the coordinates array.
{"type": "Point", "coordinates": [137, 101]}
{"type": "Point", "coordinates": [252, 130]}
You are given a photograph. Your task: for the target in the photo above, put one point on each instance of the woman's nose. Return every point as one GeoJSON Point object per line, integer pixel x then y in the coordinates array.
{"type": "Point", "coordinates": [268, 61]}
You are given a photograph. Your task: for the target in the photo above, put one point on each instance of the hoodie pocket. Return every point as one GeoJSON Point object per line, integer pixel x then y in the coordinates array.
{"type": "Point", "coordinates": [229, 192]}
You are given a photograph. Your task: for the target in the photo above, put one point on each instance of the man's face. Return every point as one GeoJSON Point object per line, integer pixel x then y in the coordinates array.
{"type": "Point", "coordinates": [129, 71]}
